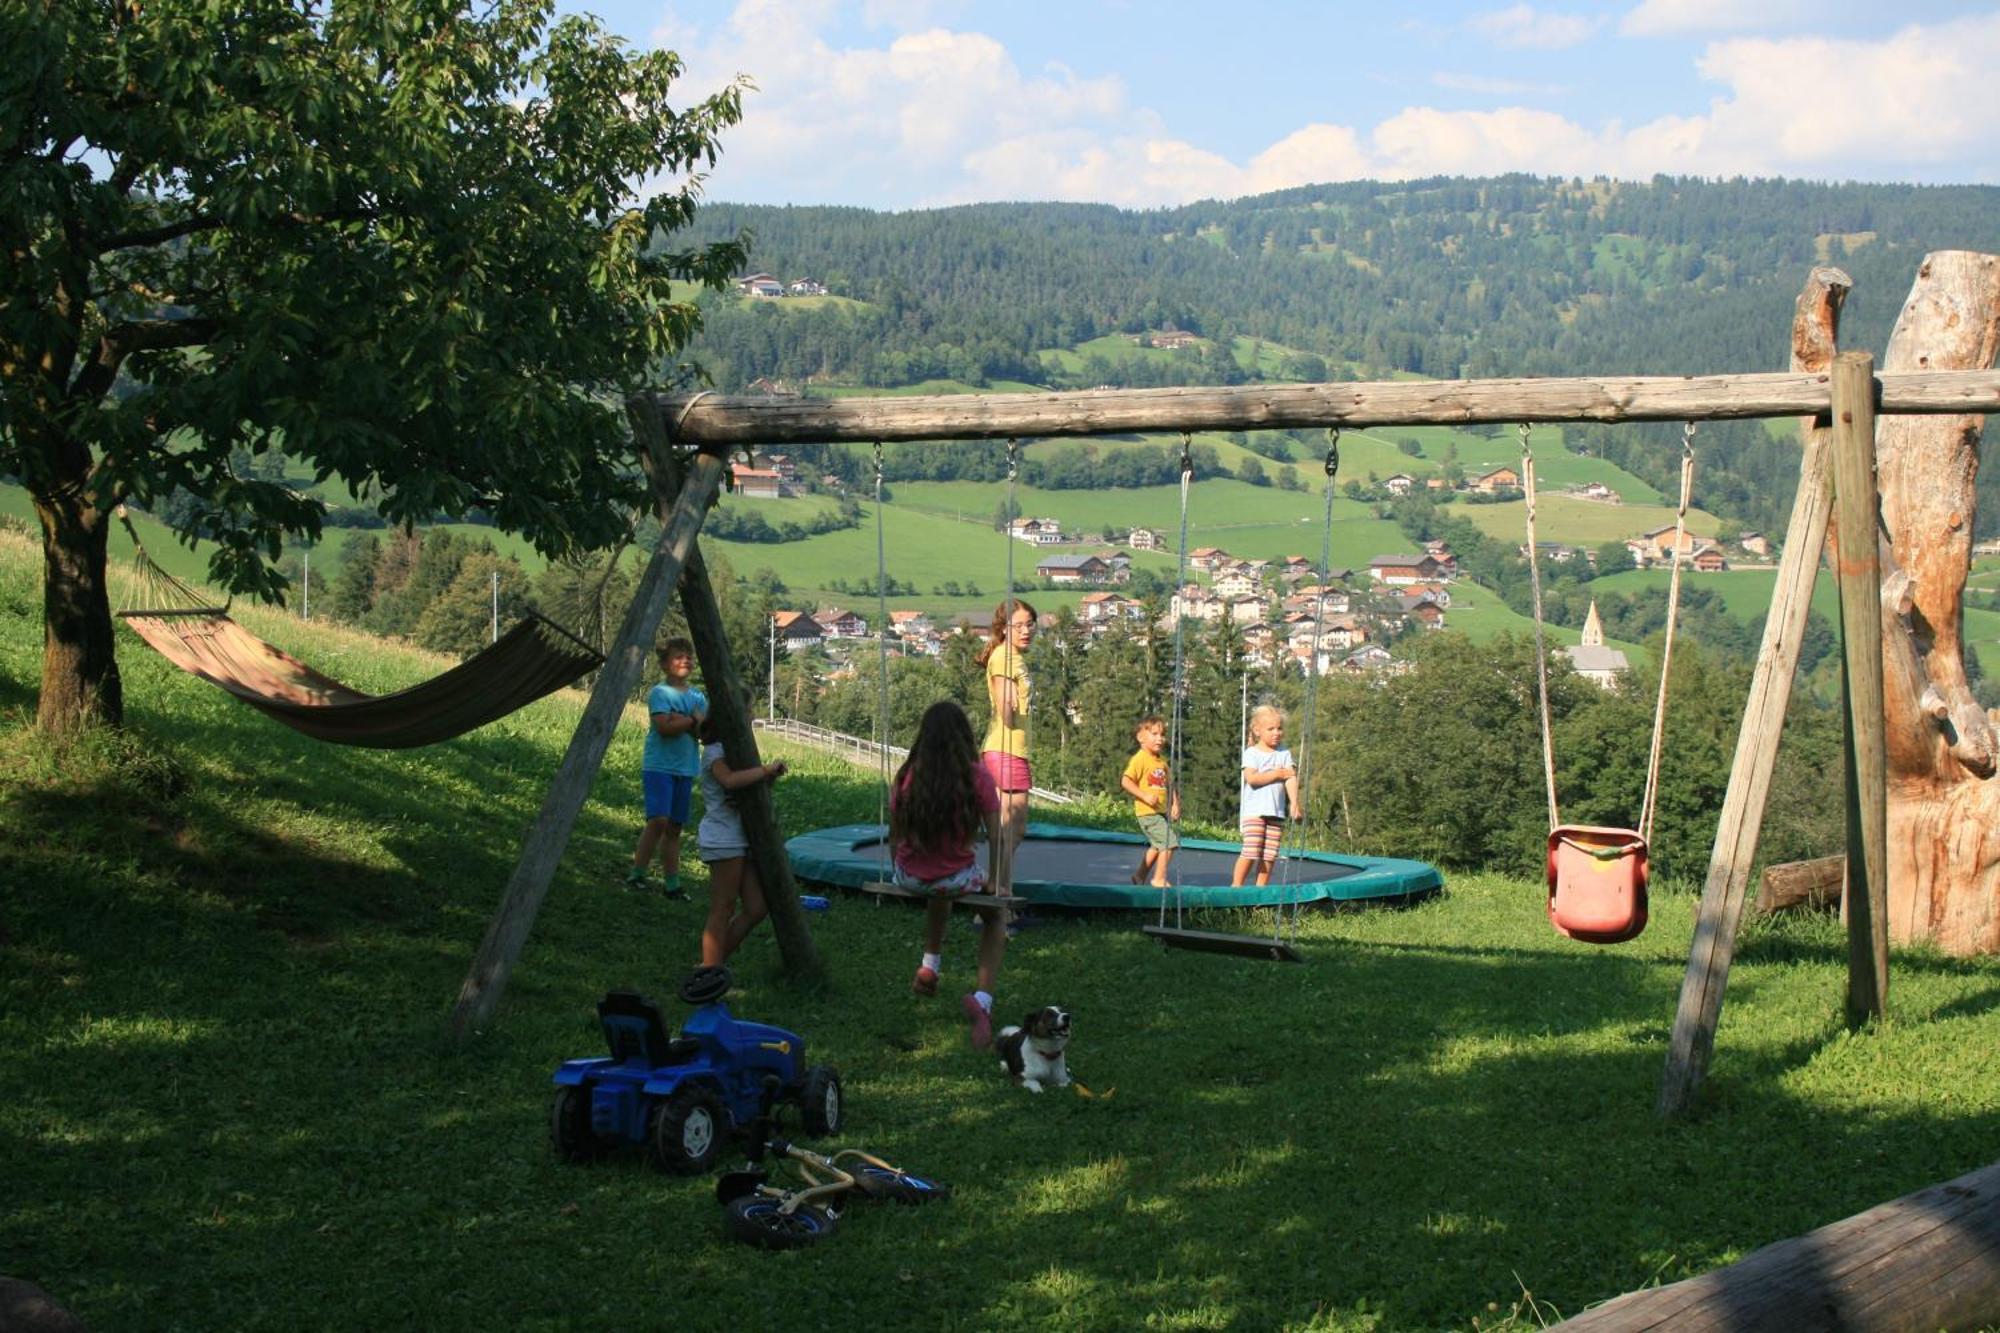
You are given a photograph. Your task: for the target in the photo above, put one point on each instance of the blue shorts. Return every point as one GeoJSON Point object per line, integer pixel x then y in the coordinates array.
{"type": "Point", "coordinates": [668, 795]}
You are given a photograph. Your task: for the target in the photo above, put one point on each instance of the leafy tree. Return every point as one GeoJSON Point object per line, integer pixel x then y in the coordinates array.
{"type": "Point", "coordinates": [354, 586]}
{"type": "Point", "coordinates": [403, 238]}
{"type": "Point", "coordinates": [1614, 558]}
{"type": "Point", "coordinates": [461, 618]}
{"type": "Point", "coordinates": [1250, 470]}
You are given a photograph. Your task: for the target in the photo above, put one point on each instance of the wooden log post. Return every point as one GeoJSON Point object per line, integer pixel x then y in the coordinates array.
{"type": "Point", "coordinates": [1944, 798]}
{"type": "Point", "coordinates": [709, 419]}
{"type": "Point", "coordinates": [1861, 642]}
{"type": "Point", "coordinates": [548, 836]}
{"type": "Point", "coordinates": [728, 708]}
{"type": "Point", "coordinates": [1815, 331]}
{"type": "Point", "coordinates": [1817, 883]}
{"type": "Point", "coordinates": [1926, 1261]}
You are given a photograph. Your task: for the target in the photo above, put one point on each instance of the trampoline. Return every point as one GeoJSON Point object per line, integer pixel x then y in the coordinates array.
{"type": "Point", "coordinates": [1061, 866]}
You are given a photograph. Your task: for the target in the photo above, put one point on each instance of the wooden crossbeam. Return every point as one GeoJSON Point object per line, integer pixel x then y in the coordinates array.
{"type": "Point", "coordinates": [741, 420]}
{"type": "Point", "coordinates": [884, 889]}
{"type": "Point", "coordinates": [1217, 941]}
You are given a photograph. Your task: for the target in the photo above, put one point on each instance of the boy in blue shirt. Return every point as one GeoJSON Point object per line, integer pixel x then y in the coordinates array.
{"type": "Point", "coordinates": [675, 711]}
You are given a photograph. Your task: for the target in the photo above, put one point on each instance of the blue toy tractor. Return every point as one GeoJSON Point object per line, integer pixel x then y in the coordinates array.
{"type": "Point", "coordinates": [681, 1096]}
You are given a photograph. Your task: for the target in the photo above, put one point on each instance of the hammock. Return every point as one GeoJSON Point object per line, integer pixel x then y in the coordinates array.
{"type": "Point", "coordinates": [534, 658]}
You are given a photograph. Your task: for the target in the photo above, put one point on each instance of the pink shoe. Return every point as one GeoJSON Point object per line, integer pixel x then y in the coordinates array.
{"type": "Point", "coordinates": [925, 983]}
{"type": "Point", "coordinates": [982, 1022]}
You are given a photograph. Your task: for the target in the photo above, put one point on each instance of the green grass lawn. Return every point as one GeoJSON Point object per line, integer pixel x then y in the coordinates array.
{"type": "Point", "coordinates": [226, 954]}
{"type": "Point", "coordinates": [1588, 523]}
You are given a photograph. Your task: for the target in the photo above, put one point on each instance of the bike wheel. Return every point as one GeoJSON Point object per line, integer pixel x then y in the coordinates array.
{"type": "Point", "coordinates": [889, 1185]}
{"type": "Point", "coordinates": [755, 1220]}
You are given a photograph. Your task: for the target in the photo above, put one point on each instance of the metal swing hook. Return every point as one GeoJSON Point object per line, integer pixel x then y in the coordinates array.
{"type": "Point", "coordinates": [1687, 439]}
{"type": "Point", "coordinates": [1332, 452]}
{"type": "Point", "coordinates": [878, 467]}
{"type": "Point", "coordinates": [1013, 458]}
{"type": "Point", "coordinates": [1187, 454]}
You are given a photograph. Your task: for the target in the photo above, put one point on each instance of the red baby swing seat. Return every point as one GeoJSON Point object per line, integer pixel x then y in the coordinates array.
{"type": "Point", "coordinates": [1597, 883]}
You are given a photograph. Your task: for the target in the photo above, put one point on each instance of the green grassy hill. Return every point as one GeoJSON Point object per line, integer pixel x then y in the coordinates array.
{"type": "Point", "coordinates": [226, 953]}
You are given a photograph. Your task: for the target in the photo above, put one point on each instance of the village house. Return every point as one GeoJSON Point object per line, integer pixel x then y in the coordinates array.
{"type": "Point", "coordinates": [1145, 539]}
{"type": "Point", "coordinates": [1108, 608]}
{"type": "Point", "coordinates": [1553, 553]}
{"type": "Point", "coordinates": [1340, 634]}
{"type": "Point", "coordinates": [1195, 603]}
{"type": "Point", "coordinates": [805, 287]}
{"type": "Point", "coordinates": [1400, 484]}
{"type": "Point", "coordinates": [1597, 490]}
{"type": "Point", "coordinates": [1756, 543]}
{"type": "Point", "coordinates": [1420, 608]}
{"type": "Point", "coordinates": [1072, 569]}
{"type": "Point", "coordinates": [1494, 482]}
{"type": "Point", "coordinates": [1208, 559]}
{"type": "Point", "coordinates": [838, 623]}
{"type": "Point", "coordinates": [1369, 657]}
{"type": "Point", "coordinates": [1295, 567]}
{"type": "Point", "coordinates": [1036, 531]}
{"type": "Point", "coordinates": [781, 464]}
{"type": "Point", "coordinates": [1168, 339]}
{"type": "Point", "coordinates": [1245, 610]}
{"type": "Point", "coordinates": [1660, 543]}
{"type": "Point", "coordinates": [757, 483]}
{"type": "Point", "coordinates": [1396, 570]}
{"type": "Point", "coordinates": [1708, 558]}
{"type": "Point", "coordinates": [1312, 599]}
{"type": "Point", "coordinates": [1117, 564]}
{"type": "Point", "coordinates": [909, 624]}
{"type": "Point", "coordinates": [761, 285]}
{"type": "Point", "coordinates": [797, 631]}
{"type": "Point", "coordinates": [1591, 659]}
{"type": "Point", "coordinates": [1437, 592]}
{"type": "Point", "coordinates": [1235, 583]}
{"type": "Point", "coordinates": [1440, 551]}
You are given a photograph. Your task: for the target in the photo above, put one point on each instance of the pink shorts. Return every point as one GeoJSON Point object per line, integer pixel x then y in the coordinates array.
{"type": "Point", "coordinates": [1008, 771]}
{"type": "Point", "coordinates": [1262, 836]}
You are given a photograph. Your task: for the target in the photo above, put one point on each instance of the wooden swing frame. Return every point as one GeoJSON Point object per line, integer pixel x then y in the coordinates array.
{"type": "Point", "coordinates": [1836, 403]}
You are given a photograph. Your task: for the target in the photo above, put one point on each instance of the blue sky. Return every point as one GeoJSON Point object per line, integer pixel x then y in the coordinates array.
{"type": "Point", "coordinates": [917, 103]}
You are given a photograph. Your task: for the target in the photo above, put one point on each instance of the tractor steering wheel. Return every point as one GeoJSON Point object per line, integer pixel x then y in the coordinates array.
{"type": "Point", "coordinates": [706, 985]}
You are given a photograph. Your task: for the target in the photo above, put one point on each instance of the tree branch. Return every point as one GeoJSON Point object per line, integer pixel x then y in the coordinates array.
{"type": "Point", "coordinates": [209, 221]}
{"type": "Point", "coordinates": [96, 379]}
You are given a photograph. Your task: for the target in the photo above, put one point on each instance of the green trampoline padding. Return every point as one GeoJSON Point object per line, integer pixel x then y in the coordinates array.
{"type": "Point", "coordinates": [1060, 866]}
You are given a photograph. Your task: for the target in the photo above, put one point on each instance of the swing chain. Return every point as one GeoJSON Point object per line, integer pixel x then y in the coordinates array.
{"type": "Point", "coordinates": [1332, 452]}
{"type": "Point", "coordinates": [1013, 459]}
{"type": "Point", "coordinates": [1187, 454]}
{"type": "Point", "coordinates": [878, 467]}
{"type": "Point", "coordinates": [1687, 439]}
{"type": "Point", "coordinates": [1527, 451]}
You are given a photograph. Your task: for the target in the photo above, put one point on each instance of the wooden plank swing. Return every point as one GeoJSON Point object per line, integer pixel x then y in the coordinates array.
{"type": "Point", "coordinates": [882, 888]}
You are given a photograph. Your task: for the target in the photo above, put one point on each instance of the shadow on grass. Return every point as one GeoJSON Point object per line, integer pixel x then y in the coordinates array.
{"type": "Point", "coordinates": [220, 1013]}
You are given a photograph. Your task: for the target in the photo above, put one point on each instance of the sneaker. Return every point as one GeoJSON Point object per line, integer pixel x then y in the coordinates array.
{"type": "Point", "coordinates": [635, 880]}
{"type": "Point", "coordinates": [671, 886]}
{"type": "Point", "coordinates": [982, 1022]}
{"type": "Point", "coordinates": [925, 983]}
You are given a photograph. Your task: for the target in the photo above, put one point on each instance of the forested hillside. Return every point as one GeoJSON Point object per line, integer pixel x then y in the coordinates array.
{"type": "Point", "coordinates": [1445, 278]}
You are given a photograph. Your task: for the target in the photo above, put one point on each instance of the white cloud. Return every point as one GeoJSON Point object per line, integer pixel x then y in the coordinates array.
{"type": "Point", "coordinates": [1661, 18]}
{"type": "Point", "coordinates": [939, 116]}
{"type": "Point", "coordinates": [1525, 26]}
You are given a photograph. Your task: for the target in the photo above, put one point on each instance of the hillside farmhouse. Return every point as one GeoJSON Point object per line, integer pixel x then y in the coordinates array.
{"type": "Point", "coordinates": [1073, 569]}
{"type": "Point", "coordinates": [1036, 531]}
{"type": "Point", "coordinates": [1396, 570]}
{"type": "Point", "coordinates": [837, 623]}
{"type": "Point", "coordinates": [1498, 480]}
{"type": "Point", "coordinates": [758, 483]}
{"type": "Point", "coordinates": [1145, 539]}
{"type": "Point", "coordinates": [797, 631]}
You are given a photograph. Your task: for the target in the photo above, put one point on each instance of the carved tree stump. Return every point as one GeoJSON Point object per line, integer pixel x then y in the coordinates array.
{"type": "Point", "coordinates": [1944, 805]}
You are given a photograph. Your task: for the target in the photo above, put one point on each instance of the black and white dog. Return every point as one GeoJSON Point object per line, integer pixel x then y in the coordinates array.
{"type": "Point", "coordinates": [1033, 1052]}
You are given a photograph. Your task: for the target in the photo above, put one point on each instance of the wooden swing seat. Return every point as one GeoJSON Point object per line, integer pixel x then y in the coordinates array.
{"type": "Point", "coordinates": [885, 889]}
{"type": "Point", "coordinates": [1597, 883]}
{"type": "Point", "coordinates": [1217, 941]}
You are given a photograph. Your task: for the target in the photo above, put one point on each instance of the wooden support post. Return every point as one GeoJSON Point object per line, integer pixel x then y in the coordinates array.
{"type": "Point", "coordinates": [728, 708]}
{"type": "Point", "coordinates": [1926, 1261]}
{"type": "Point", "coordinates": [548, 837]}
{"type": "Point", "coordinates": [1815, 327]}
{"type": "Point", "coordinates": [1861, 640]}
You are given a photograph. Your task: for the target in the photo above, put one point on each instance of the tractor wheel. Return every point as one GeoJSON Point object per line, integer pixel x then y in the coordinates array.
{"type": "Point", "coordinates": [888, 1185]}
{"type": "Point", "coordinates": [687, 1130]}
{"type": "Point", "coordinates": [821, 1102]}
{"type": "Point", "coordinates": [569, 1126]}
{"type": "Point", "coordinates": [755, 1220]}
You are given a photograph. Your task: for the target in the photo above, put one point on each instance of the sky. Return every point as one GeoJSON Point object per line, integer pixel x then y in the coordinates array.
{"type": "Point", "coordinates": [898, 104]}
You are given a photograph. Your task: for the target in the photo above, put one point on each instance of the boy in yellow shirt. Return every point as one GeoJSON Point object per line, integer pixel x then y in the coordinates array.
{"type": "Point", "coordinates": [1155, 800]}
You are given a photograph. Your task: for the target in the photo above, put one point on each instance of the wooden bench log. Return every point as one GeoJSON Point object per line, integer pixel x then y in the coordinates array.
{"type": "Point", "coordinates": [1926, 1261]}
{"type": "Point", "coordinates": [884, 889]}
{"type": "Point", "coordinates": [1814, 883]}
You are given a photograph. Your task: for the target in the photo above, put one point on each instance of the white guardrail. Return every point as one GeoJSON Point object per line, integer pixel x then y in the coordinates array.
{"type": "Point", "coordinates": [860, 750]}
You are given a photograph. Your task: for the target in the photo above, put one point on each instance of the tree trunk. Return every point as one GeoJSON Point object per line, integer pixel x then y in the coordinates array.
{"type": "Point", "coordinates": [1944, 807]}
{"type": "Point", "coordinates": [80, 685]}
